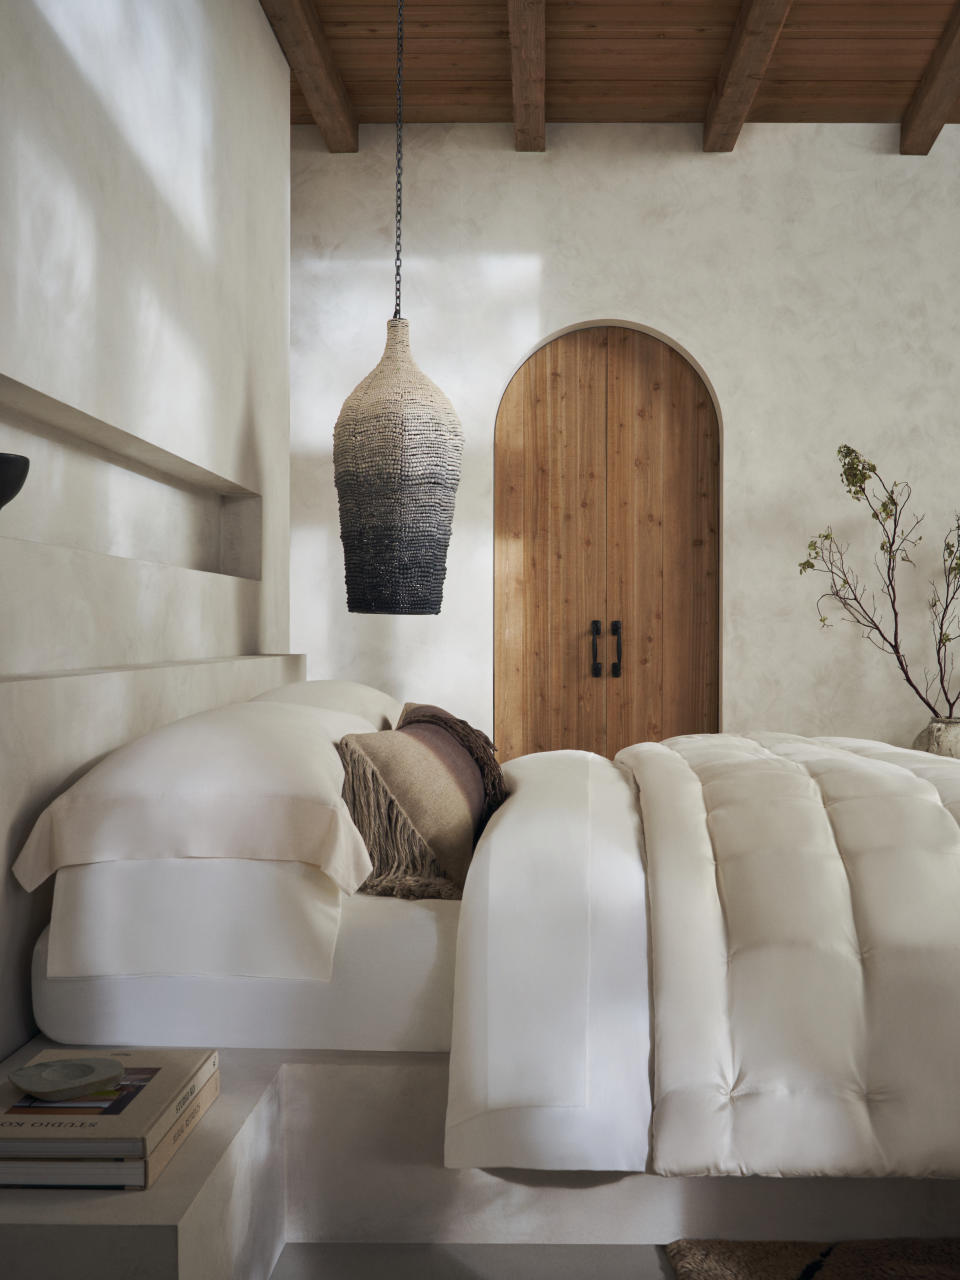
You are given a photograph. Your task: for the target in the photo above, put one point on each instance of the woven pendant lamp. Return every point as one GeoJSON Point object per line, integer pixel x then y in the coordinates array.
{"type": "Point", "coordinates": [397, 453]}
{"type": "Point", "coordinates": [397, 448]}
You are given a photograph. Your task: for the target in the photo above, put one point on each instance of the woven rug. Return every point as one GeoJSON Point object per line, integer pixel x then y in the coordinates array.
{"type": "Point", "coordinates": [846, 1260]}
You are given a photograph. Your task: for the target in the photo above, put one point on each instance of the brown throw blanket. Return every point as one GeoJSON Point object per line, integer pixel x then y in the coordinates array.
{"type": "Point", "coordinates": [475, 742]}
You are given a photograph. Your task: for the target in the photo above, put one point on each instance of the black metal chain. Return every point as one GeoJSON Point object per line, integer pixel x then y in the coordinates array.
{"type": "Point", "coordinates": [396, 309]}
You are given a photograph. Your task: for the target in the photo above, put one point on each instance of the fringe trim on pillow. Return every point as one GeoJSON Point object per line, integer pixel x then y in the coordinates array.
{"type": "Point", "coordinates": [475, 742]}
{"type": "Point", "coordinates": [411, 887]}
{"type": "Point", "coordinates": [403, 863]}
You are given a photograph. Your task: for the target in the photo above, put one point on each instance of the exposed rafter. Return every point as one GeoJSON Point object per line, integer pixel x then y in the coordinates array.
{"type": "Point", "coordinates": [297, 28]}
{"type": "Point", "coordinates": [748, 55]}
{"type": "Point", "coordinates": [936, 95]}
{"type": "Point", "coordinates": [528, 55]}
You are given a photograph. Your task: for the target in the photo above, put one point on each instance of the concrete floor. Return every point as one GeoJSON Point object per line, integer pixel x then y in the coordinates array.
{"type": "Point", "coordinates": [470, 1262]}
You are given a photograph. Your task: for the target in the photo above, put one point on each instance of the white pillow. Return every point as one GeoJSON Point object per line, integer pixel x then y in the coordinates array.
{"type": "Point", "coordinates": [236, 917]}
{"type": "Point", "coordinates": [340, 695]}
{"type": "Point", "coordinates": [248, 780]}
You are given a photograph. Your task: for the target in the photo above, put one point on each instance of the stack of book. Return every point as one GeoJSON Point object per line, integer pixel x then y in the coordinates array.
{"type": "Point", "coordinates": [123, 1136]}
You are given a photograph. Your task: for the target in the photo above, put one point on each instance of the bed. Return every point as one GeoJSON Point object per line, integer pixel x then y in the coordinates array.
{"type": "Point", "coordinates": [720, 954]}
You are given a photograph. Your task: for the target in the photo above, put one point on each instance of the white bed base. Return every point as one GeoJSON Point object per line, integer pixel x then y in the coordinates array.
{"type": "Point", "coordinates": [364, 1139]}
{"type": "Point", "coordinates": [357, 1139]}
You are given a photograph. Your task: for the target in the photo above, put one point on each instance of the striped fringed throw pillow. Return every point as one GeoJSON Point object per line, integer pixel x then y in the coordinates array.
{"type": "Point", "coordinates": [420, 795]}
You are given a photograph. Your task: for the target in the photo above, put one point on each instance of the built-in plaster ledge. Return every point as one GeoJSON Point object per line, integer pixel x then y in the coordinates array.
{"type": "Point", "coordinates": [96, 488]}
{"type": "Point", "coordinates": [46, 412]}
{"type": "Point", "coordinates": [216, 1212]}
{"type": "Point", "coordinates": [254, 659]}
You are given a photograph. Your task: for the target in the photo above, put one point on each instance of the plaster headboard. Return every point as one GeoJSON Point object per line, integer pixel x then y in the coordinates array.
{"type": "Point", "coordinates": [52, 729]}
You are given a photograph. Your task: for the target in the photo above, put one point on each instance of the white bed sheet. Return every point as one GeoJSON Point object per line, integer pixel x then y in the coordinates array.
{"type": "Point", "coordinates": [392, 989]}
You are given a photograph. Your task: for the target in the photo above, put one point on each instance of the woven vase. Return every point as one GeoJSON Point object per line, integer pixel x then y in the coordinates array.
{"type": "Point", "coordinates": [397, 452]}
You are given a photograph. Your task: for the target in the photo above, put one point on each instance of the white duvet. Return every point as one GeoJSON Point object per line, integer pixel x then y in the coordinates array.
{"type": "Point", "coordinates": [804, 901]}
{"type": "Point", "coordinates": [549, 1062]}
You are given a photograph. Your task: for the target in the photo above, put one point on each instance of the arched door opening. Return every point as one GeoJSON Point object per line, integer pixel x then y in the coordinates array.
{"type": "Point", "coordinates": [607, 547]}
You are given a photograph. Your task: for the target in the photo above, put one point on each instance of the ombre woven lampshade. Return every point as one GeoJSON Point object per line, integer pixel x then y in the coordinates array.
{"type": "Point", "coordinates": [397, 453]}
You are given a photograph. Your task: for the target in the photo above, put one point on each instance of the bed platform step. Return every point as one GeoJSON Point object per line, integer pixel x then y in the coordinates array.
{"type": "Point", "coordinates": [333, 1148]}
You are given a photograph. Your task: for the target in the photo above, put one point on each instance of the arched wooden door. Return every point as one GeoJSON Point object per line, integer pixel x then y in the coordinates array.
{"type": "Point", "coordinates": [606, 511]}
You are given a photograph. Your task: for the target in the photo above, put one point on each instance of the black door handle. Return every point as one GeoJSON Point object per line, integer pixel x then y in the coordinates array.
{"type": "Point", "coordinates": [616, 629]}
{"type": "Point", "coordinates": [596, 668]}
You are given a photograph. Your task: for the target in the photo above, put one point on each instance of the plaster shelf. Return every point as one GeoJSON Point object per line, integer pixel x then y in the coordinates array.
{"type": "Point", "coordinates": [96, 488]}
{"type": "Point", "coordinates": [47, 412]}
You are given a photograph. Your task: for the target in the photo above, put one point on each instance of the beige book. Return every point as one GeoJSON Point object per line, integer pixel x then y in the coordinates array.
{"type": "Point", "coordinates": [126, 1121]}
{"type": "Point", "coordinates": [173, 1140]}
{"type": "Point", "coordinates": [93, 1172]}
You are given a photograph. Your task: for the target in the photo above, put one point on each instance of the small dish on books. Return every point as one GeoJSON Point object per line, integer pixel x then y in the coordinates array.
{"type": "Point", "coordinates": [65, 1078]}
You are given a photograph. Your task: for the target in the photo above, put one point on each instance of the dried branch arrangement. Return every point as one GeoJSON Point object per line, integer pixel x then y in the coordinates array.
{"type": "Point", "coordinates": [878, 616]}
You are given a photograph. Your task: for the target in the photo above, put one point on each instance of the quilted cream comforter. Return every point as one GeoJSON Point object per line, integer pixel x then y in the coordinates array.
{"type": "Point", "coordinates": [804, 966]}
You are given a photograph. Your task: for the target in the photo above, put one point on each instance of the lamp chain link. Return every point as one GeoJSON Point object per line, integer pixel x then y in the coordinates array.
{"type": "Point", "coordinates": [399, 209]}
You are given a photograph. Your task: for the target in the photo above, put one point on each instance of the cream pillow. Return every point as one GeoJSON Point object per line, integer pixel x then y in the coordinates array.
{"type": "Point", "coordinates": [248, 780]}
{"type": "Point", "coordinates": [380, 709]}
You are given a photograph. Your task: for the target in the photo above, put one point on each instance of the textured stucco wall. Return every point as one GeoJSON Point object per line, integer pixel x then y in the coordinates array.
{"type": "Point", "coordinates": [144, 201]}
{"type": "Point", "coordinates": [144, 249]}
{"type": "Point", "coordinates": [814, 275]}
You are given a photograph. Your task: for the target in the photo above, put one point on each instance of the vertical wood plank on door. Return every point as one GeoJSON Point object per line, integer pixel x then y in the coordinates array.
{"type": "Point", "coordinates": [707, 565]}
{"type": "Point", "coordinates": [584, 356]}
{"type": "Point", "coordinates": [550, 482]}
{"type": "Point", "coordinates": [563, 705]}
{"type": "Point", "coordinates": [509, 570]}
{"type": "Point", "coordinates": [690, 554]}
{"type": "Point", "coordinates": [635, 395]}
{"type": "Point", "coordinates": [538, 408]}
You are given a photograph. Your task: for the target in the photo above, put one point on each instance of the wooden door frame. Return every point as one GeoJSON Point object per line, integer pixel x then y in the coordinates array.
{"type": "Point", "coordinates": [708, 383]}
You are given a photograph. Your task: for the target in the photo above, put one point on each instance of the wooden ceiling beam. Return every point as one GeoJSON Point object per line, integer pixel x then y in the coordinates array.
{"type": "Point", "coordinates": [937, 93]}
{"type": "Point", "coordinates": [744, 65]}
{"type": "Point", "coordinates": [528, 58]}
{"type": "Point", "coordinates": [300, 35]}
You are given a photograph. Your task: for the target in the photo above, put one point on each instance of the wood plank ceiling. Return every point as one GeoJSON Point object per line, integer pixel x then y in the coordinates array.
{"type": "Point", "coordinates": [721, 62]}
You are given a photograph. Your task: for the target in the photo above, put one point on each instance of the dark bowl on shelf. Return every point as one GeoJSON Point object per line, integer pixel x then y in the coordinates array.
{"type": "Point", "coordinates": [13, 472]}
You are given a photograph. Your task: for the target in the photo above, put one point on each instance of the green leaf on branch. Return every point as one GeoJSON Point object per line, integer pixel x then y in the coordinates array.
{"type": "Point", "coordinates": [855, 471]}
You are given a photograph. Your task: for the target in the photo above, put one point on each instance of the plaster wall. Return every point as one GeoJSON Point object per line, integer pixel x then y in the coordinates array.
{"type": "Point", "coordinates": [813, 275]}
{"type": "Point", "coordinates": [144, 304]}
{"type": "Point", "coordinates": [144, 197]}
